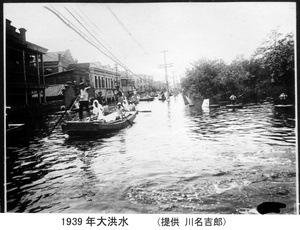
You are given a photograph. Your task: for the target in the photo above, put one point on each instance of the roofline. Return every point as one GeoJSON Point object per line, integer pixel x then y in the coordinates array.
{"type": "Point", "coordinates": [58, 73]}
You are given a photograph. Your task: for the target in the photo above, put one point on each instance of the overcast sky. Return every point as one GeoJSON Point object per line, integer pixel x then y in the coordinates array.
{"type": "Point", "coordinates": [136, 34]}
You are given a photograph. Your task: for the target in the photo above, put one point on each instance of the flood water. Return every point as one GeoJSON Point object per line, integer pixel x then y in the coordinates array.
{"type": "Point", "coordinates": [174, 159]}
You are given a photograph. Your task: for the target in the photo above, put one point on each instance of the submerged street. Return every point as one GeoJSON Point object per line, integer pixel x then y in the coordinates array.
{"type": "Point", "coordinates": [174, 159]}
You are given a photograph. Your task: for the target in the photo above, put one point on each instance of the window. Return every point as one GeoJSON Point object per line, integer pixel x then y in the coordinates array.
{"type": "Point", "coordinates": [96, 82]}
{"type": "Point", "coordinates": [103, 84]}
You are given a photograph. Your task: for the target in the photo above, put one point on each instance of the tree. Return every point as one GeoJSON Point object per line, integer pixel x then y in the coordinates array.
{"type": "Point", "coordinates": [276, 57]}
{"type": "Point", "coordinates": [269, 72]}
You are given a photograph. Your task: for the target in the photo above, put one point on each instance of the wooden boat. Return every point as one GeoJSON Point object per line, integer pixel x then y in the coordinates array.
{"type": "Point", "coordinates": [15, 127]}
{"type": "Point", "coordinates": [147, 99]}
{"type": "Point", "coordinates": [284, 106]}
{"type": "Point", "coordinates": [187, 101]}
{"type": "Point", "coordinates": [214, 106]}
{"type": "Point", "coordinates": [96, 128]}
{"type": "Point", "coordinates": [239, 106]}
{"type": "Point", "coordinates": [16, 134]}
{"type": "Point", "coordinates": [162, 97]}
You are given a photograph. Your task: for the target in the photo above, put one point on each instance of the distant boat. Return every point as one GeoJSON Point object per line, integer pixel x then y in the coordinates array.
{"type": "Point", "coordinates": [187, 101]}
{"type": "Point", "coordinates": [96, 128]}
{"type": "Point", "coordinates": [147, 99]}
{"type": "Point", "coordinates": [134, 100]}
{"type": "Point", "coordinates": [162, 97]}
{"type": "Point", "coordinates": [214, 106]}
{"type": "Point", "coordinates": [239, 106]}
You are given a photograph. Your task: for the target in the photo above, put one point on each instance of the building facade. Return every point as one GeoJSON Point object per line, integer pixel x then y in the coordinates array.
{"type": "Point", "coordinates": [24, 68]}
{"type": "Point", "coordinates": [127, 84]}
{"type": "Point", "coordinates": [143, 83]}
{"type": "Point", "coordinates": [102, 79]}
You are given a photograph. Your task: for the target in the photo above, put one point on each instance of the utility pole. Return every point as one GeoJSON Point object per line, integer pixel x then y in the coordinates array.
{"type": "Point", "coordinates": [117, 75]}
{"type": "Point", "coordinates": [174, 82]}
{"type": "Point", "coordinates": [166, 72]}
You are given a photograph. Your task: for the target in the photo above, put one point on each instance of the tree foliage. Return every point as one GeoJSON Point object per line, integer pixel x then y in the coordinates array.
{"type": "Point", "coordinates": [269, 72]}
{"type": "Point", "coordinates": [276, 57]}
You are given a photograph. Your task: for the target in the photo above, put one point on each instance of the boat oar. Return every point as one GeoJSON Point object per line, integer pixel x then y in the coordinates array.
{"type": "Point", "coordinates": [129, 122]}
{"type": "Point", "coordinates": [63, 115]}
{"type": "Point", "coordinates": [144, 111]}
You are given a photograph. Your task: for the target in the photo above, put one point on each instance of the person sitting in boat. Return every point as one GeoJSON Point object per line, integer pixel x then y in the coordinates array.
{"type": "Point", "coordinates": [283, 98]}
{"type": "Point", "coordinates": [97, 110]}
{"type": "Point", "coordinates": [125, 104]}
{"type": "Point", "coordinates": [99, 97]}
{"type": "Point", "coordinates": [131, 106]}
{"type": "Point", "coordinates": [84, 100]}
{"type": "Point", "coordinates": [105, 109]}
{"type": "Point", "coordinates": [120, 111]}
{"type": "Point", "coordinates": [232, 99]}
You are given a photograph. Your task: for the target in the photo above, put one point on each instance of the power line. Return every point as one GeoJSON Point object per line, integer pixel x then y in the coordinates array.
{"type": "Point", "coordinates": [91, 22]}
{"type": "Point", "coordinates": [94, 37]}
{"type": "Point", "coordinates": [78, 32]}
{"type": "Point", "coordinates": [67, 22]}
{"type": "Point", "coordinates": [120, 22]}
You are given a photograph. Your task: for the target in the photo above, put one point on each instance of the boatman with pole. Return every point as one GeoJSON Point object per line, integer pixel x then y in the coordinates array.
{"type": "Point", "coordinates": [233, 99]}
{"type": "Point", "coordinates": [119, 95]}
{"type": "Point", "coordinates": [283, 98]}
{"type": "Point", "coordinates": [84, 100]}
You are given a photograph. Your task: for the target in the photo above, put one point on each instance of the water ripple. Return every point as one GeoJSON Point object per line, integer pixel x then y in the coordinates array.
{"type": "Point", "coordinates": [175, 159]}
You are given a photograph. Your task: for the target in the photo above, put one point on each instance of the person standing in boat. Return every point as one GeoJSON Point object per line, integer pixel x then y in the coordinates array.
{"type": "Point", "coordinates": [283, 98]}
{"type": "Point", "coordinates": [232, 99]}
{"type": "Point", "coordinates": [119, 95]}
{"type": "Point", "coordinates": [84, 100]}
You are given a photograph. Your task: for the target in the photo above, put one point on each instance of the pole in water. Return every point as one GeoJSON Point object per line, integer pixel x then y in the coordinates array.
{"type": "Point", "coordinates": [63, 115]}
{"type": "Point", "coordinates": [166, 72]}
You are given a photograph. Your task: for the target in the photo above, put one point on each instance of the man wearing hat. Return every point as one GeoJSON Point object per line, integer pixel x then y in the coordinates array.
{"type": "Point", "coordinates": [84, 100]}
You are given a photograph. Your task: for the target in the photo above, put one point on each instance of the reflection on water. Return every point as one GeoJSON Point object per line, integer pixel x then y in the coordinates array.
{"type": "Point", "coordinates": [176, 159]}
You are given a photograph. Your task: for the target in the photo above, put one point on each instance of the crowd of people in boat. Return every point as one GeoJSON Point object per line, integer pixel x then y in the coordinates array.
{"type": "Point", "coordinates": [100, 110]}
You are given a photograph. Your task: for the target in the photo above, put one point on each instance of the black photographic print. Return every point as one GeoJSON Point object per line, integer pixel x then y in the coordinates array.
{"type": "Point", "coordinates": [150, 108]}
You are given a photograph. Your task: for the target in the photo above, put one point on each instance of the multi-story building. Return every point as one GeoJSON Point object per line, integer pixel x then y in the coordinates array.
{"type": "Point", "coordinates": [102, 79]}
{"type": "Point", "coordinates": [55, 62]}
{"type": "Point", "coordinates": [139, 83]}
{"type": "Point", "coordinates": [24, 68]}
{"type": "Point", "coordinates": [127, 83]}
{"type": "Point", "coordinates": [159, 86]}
{"type": "Point", "coordinates": [143, 83]}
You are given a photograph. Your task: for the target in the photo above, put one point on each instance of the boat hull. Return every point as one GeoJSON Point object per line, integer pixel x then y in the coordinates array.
{"type": "Point", "coordinates": [284, 106]}
{"type": "Point", "coordinates": [92, 128]}
{"type": "Point", "coordinates": [147, 99]}
{"type": "Point", "coordinates": [239, 106]}
{"type": "Point", "coordinates": [214, 106]}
